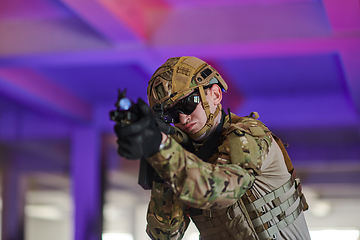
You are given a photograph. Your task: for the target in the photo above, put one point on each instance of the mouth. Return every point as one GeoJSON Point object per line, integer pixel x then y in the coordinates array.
{"type": "Point", "coordinates": [189, 127]}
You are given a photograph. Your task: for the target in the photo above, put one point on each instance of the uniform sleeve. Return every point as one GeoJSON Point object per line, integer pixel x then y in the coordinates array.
{"type": "Point", "coordinates": [166, 219]}
{"type": "Point", "coordinates": [197, 183]}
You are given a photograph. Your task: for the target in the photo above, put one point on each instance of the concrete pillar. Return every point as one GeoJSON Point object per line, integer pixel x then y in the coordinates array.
{"type": "Point", "coordinates": [13, 201]}
{"type": "Point", "coordinates": [139, 229]}
{"type": "Point", "coordinates": [87, 175]}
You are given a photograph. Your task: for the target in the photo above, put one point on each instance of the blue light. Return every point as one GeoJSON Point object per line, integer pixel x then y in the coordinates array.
{"type": "Point", "coordinates": [125, 104]}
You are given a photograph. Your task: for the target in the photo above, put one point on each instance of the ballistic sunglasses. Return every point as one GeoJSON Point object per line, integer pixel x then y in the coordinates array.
{"type": "Point", "coordinates": [186, 106]}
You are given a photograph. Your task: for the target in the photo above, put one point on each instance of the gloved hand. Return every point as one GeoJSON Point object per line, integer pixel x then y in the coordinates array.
{"type": "Point", "coordinates": [141, 138]}
{"type": "Point", "coordinates": [163, 127]}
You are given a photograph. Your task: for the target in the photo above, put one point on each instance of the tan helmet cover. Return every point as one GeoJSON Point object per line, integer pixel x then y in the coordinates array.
{"type": "Point", "coordinates": [178, 77]}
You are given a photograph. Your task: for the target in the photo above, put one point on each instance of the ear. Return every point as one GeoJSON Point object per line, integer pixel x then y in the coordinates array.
{"type": "Point", "coordinates": [216, 94]}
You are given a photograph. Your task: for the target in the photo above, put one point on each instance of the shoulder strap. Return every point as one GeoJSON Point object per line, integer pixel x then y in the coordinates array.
{"type": "Point", "coordinates": [248, 124]}
{"type": "Point", "coordinates": [245, 150]}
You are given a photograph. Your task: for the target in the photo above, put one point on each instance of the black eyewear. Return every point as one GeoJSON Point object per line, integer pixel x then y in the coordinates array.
{"type": "Point", "coordinates": [186, 106]}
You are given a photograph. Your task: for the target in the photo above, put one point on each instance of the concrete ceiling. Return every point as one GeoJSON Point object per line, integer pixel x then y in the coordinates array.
{"type": "Point", "coordinates": [296, 62]}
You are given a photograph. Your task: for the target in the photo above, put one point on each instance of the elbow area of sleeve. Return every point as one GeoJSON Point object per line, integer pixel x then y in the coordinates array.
{"type": "Point", "coordinates": [215, 187]}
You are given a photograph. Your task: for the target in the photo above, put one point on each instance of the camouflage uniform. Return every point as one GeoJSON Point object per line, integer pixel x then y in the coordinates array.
{"type": "Point", "coordinates": [218, 194]}
{"type": "Point", "coordinates": [244, 189]}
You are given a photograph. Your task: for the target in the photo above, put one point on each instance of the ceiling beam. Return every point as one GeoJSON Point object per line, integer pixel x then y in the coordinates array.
{"type": "Point", "coordinates": [344, 16]}
{"type": "Point", "coordinates": [32, 37]}
{"type": "Point", "coordinates": [216, 3]}
{"type": "Point", "coordinates": [97, 16]}
{"type": "Point", "coordinates": [275, 48]}
{"type": "Point", "coordinates": [350, 60]}
{"type": "Point", "coordinates": [33, 90]}
{"type": "Point", "coordinates": [137, 52]}
{"type": "Point", "coordinates": [140, 16]}
{"type": "Point", "coordinates": [121, 21]}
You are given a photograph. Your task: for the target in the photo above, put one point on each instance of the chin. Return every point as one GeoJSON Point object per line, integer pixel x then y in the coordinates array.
{"type": "Point", "coordinates": [193, 131]}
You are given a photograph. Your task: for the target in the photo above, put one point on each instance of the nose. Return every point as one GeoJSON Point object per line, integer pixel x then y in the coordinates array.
{"type": "Point", "coordinates": [183, 118]}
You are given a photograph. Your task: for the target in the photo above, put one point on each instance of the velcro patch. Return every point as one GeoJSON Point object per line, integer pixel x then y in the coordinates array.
{"type": "Point", "coordinates": [184, 71]}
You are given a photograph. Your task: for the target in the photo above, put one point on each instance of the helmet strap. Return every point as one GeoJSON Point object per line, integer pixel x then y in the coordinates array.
{"type": "Point", "coordinates": [204, 101]}
{"type": "Point", "coordinates": [210, 116]}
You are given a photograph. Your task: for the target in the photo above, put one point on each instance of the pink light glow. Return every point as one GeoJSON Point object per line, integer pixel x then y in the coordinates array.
{"type": "Point", "coordinates": [139, 15]}
{"type": "Point", "coordinates": [343, 15]}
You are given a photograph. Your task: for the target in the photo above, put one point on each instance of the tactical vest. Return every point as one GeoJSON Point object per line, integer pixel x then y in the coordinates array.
{"type": "Point", "coordinates": [251, 217]}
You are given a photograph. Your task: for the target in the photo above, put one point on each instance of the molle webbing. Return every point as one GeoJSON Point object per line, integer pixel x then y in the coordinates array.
{"type": "Point", "coordinates": [291, 170]}
{"type": "Point", "coordinates": [229, 223]}
{"type": "Point", "coordinates": [261, 220]}
{"type": "Point", "coordinates": [267, 223]}
{"type": "Point", "coordinates": [270, 232]}
{"type": "Point", "coordinates": [272, 196]}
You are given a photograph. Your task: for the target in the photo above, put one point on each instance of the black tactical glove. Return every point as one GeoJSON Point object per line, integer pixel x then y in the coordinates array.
{"type": "Point", "coordinates": [164, 127]}
{"type": "Point", "coordinates": [141, 138]}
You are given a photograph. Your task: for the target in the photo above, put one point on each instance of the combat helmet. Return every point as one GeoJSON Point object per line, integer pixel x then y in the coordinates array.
{"type": "Point", "coordinates": [178, 77]}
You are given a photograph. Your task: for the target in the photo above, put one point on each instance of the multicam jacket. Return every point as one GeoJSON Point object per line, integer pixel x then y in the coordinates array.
{"type": "Point", "coordinates": [219, 194]}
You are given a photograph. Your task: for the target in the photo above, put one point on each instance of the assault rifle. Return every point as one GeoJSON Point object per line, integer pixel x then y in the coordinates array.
{"type": "Point", "coordinates": [126, 113]}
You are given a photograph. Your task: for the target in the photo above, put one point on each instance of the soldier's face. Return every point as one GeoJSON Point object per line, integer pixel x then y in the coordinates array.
{"type": "Point", "coordinates": [194, 122]}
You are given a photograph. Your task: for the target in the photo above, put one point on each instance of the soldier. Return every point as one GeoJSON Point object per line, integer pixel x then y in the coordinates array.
{"type": "Point", "coordinates": [230, 175]}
